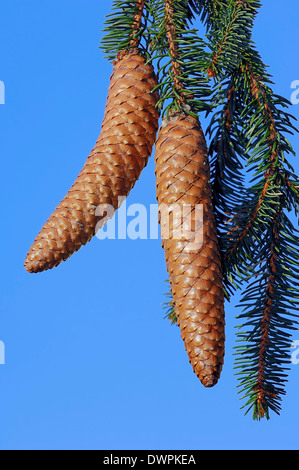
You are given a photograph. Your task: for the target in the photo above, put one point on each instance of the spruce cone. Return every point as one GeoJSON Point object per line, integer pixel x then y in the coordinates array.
{"type": "Point", "coordinates": [194, 267]}
{"type": "Point", "coordinates": [121, 152]}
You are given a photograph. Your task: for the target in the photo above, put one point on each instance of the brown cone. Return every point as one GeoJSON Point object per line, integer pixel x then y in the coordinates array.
{"type": "Point", "coordinates": [182, 179]}
{"type": "Point", "coordinates": [121, 152]}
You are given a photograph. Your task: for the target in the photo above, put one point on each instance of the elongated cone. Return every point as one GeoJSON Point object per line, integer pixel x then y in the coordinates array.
{"type": "Point", "coordinates": [190, 242]}
{"type": "Point", "coordinates": [121, 152]}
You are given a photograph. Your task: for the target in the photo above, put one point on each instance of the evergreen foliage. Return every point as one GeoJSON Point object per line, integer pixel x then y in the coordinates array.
{"type": "Point", "coordinates": [180, 56]}
{"type": "Point", "coordinates": [219, 71]}
{"type": "Point", "coordinates": [120, 24]}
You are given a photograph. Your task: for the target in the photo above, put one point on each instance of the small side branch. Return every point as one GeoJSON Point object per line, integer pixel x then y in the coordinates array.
{"type": "Point", "coordinates": [134, 42]}
{"type": "Point", "coordinates": [173, 48]}
{"type": "Point", "coordinates": [227, 41]}
{"type": "Point", "coordinates": [259, 94]}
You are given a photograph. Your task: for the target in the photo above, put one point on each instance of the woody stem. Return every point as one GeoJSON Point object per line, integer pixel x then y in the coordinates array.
{"type": "Point", "coordinates": [137, 24]}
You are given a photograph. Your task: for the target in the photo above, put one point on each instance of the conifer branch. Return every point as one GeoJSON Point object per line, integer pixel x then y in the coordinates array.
{"type": "Point", "coordinates": [268, 158]}
{"type": "Point", "coordinates": [259, 243]}
{"type": "Point", "coordinates": [263, 390]}
{"type": "Point", "coordinates": [126, 28]}
{"type": "Point", "coordinates": [230, 36]}
{"type": "Point", "coordinates": [226, 152]}
{"type": "Point", "coordinates": [270, 305]}
{"type": "Point", "coordinates": [180, 56]}
{"type": "Point", "coordinates": [173, 48]}
{"type": "Point", "coordinates": [261, 232]}
{"type": "Point", "coordinates": [136, 26]}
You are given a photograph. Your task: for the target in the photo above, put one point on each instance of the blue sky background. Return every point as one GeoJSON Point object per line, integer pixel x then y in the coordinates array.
{"type": "Point", "coordinates": [90, 361]}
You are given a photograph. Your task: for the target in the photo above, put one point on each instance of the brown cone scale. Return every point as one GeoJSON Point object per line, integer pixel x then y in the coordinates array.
{"type": "Point", "coordinates": [121, 152]}
{"type": "Point", "coordinates": [183, 179]}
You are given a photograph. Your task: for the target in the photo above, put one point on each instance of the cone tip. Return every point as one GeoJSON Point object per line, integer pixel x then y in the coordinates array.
{"type": "Point", "coordinates": [33, 265]}
{"type": "Point", "coordinates": [209, 381]}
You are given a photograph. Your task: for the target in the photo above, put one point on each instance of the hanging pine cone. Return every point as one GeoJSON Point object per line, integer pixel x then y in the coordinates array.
{"type": "Point", "coordinates": [182, 179]}
{"type": "Point", "coordinates": [121, 152]}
